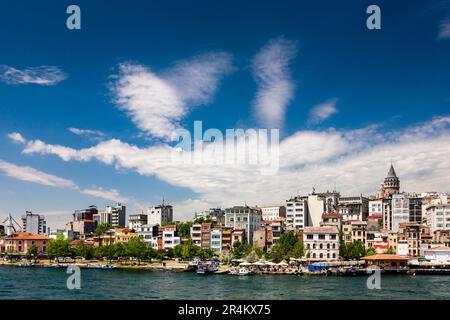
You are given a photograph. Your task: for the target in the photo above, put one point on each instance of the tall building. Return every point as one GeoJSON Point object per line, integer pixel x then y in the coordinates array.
{"type": "Point", "coordinates": [296, 213]}
{"type": "Point", "coordinates": [118, 215]}
{"type": "Point", "coordinates": [391, 184]}
{"type": "Point", "coordinates": [415, 210]}
{"type": "Point", "coordinates": [34, 223]}
{"type": "Point", "coordinates": [160, 215]}
{"type": "Point", "coordinates": [245, 218]}
{"type": "Point", "coordinates": [400, 210]}
{"type": "Point", "coordinates": [438, 217]}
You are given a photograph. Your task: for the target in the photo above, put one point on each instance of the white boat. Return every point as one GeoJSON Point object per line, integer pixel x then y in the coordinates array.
{"type": "Point", "coordinates": [241, 272]}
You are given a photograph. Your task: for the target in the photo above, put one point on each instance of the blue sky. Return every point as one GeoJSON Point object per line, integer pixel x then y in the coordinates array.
{"type": "Point", "coordinates": [349, 96]}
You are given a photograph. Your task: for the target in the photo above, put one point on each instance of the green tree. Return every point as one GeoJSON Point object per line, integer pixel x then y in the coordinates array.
{"type": "Point", "coordinates": [59, 247]}
{"type": "Point", "coordinates": [353, 250]}
{"type": "Point", "coordinates": [370, 252]}
{"type": "Point", "coordinates": [102, 228]}
{"type": "Point", "coordinates": [284, 246]}
{"type": "Point", "coordinates": [84, 250]}
{"type": "Point", "coordinates": [136, 248]}
{"type": "Point", "coordinates": [298, 251]}
{"type": "Point", "coordinates": [389, 251]}
{"type": "Point", "coordinates": [32, 252]}
{"type": "Point", "coordinates": [184, 229]}
{"type": "Point", "coordinates": [252, 257]}
{"type": "Point", "coordinates": [240, 250]}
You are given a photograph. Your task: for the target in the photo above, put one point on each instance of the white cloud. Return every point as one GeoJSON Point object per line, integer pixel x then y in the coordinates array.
{"type": "Point", "coordinates": [156, 104]}
{"type": "Point", "coordinates": [16, 137]}
{"type": "Point", "coordinates": [444, 29]}
{"type": "Point", "coordinates": [91, 134]}
{"type": "Point", "coordinates": [275, 88]}
{"type": "Point", "coordinates": [355, 161]}
{"type": "Point", "coordinates": [42, 75]}
{"type": "Point", "coordinates": [33, 175]}
{"type": "Point", "coordinates": [112, 195]}
{"type": "Point", "coordinates": [323, 111]}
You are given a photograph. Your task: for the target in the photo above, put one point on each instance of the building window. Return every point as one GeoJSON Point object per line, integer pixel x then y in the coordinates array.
{"type": "Point", "coordinates": [321, 237]}
{"type": "Point", "coordinates": [309, 237]}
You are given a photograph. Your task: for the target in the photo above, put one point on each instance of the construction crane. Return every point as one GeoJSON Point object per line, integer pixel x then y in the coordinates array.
{"type": "Point", "coordinates": [10, 228]}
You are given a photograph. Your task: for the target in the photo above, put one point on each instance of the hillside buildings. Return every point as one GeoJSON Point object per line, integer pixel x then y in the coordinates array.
{"type": "Point", "coordinates": [273, 213]}
{"type": "Point", "coordinates": [160, 214]}
{"type": "Point", "coordinates": [321, 243]}
{"type": "Point", "coordinates": [243, 218]}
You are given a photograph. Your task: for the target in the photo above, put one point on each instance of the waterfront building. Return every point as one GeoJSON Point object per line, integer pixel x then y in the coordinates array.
{"type": "Point", "coordinates": [296, 213]}
{"type": "Point", "coordinates": [216, 240]}
{"type": "Point", "coordinates": [34, 223]}
{"type": "Point", "coordinates": [196, 234]}
{"type": "Point", "coordinates": [81, 227]}
{"type": "Point", "coordinates": [438, 217]}
{"type": "Point", "coordinates": [116, 235]}
{"type": "Point", "coordinates": [353, 208]}
{"type": "Point", "coordinates": [147, 233]}
{"type": "Point", "coordinates": [160, 215]}
{"type": "Point", "coordinates": [379, 242]}
{"type": "Point", "coordinates": [135, 221]}
{"type": "Point", "coordinates": [273, 213]}
{"type": "Point", "coordinates": [169, 238]}
{"type": "Point", "coordinates": [277, 229]}
{"type": "Point", "coordinates": [238, 235]}
{"type": "Point", "coordinates": [102, 217]}
{"type": "Point", "coordinates": [438, 255]}
{"type": "Point", "coordinates": [321, 243]}
{"type": "Point", "coordinates": [243, 217]}
{"type": "Point", "coordinates": [263, 237]}
{"type": "Point", "coordinates": [359, 231]}
{"type": "Point", "coordinates": [441, 236]}
{"type": "Point", "coordinates": [21, 242]}
{"type": "Point", "coordinates": [414, 235]}
{"type": "Point", "coordinates": [390, 262]}
{"type": "Point", "coordinates": [226, 239]}
{"type": "Point", "coordinates": [206, 236]}
{"type": "Point", "coordinates": [374, 222]}
{"type": "Point", "coordinates": [118, 215]}
{"type": "Point", "coordinates": [318, 204]}
{"type": "Point", "coordinates": [400, 210]}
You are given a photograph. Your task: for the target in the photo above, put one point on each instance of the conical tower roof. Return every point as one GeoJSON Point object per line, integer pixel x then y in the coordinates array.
{"type": "Point", "coordinates": [391, 173]}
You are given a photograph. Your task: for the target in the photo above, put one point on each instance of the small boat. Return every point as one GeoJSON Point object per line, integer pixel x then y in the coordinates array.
{"type": "Point", "coordinates": [241, 272]}
{"type": "Point", "coordinates": [206, 267]}
{"type": "Point", "coordinates": [107, 266]}
{"type": "Point", "coordinates": [25, 264]}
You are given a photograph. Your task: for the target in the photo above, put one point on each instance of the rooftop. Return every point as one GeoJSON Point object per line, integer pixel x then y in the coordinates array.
{"type": "Point", "coordinates": [28, 236]}
{"type": "Point", "coordinates": [385, 257]}
{"type": "Point", "coordinates": [320, 230]}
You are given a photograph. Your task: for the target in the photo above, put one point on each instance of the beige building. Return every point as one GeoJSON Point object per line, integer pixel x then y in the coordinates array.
{"type": "Point", "coordinates": [321, 243]}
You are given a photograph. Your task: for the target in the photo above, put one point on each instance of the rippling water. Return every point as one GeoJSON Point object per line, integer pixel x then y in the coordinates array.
{"type": "Point", "coordinates": [48, 283]}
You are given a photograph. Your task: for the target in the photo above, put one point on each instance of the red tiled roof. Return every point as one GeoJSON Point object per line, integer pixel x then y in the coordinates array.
{"type": "Point", "coordinates": [28, 236]}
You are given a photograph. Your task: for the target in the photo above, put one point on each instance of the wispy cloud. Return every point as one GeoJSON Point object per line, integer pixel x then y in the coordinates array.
{"type": "Point", "coordinates": [112, 195]}
{"type": "Point", "coordinates": [91, 134]}
{"type": "Point", "coordinates": [16, 137]}
{"type": "Point", "coordinates": [323, 111]}
{"type": "Point", "coordinates": [157, 103]}
{"type": "Point", "coordinates": [444, 29]}
{"type": "Point", "coordinates": [36, 176]}
{"type": "Point", "coordinates": [42, 75]}
{"type": "Point", "coordinates": [275, 88]}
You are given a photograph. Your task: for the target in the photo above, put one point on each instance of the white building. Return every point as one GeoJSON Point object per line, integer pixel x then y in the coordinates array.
{"type": "Point", "coordinates": [321, 243]}
{"type": "Point", "coordinates": [274, 213]}
{"type": "Point", "coordinates": [400, 210]}
{"type": "Point", "coordinates": [438, 217]}
{"type": "Point", "coordinates": [438, 255]}
{"type": "Point", "coordinates": [296, 213]}
{"type": "Point", "coordinates": [216, 240]}
{"type": "Point", "coordinates": [196, 234]}
{"type": "Point", "coordinates": [170, 240]}
{"type": "Point", "coordinates": [375, 207]}
{"type": "Point", "coordinates": [34, 223]}
{"type": "Point", "coordinates": [135, 221]}
{"type": "Point", "coordinates": [402, 248]}
{"type": "Point", "coordinates": [353, 208]}
{"type": "Point", "coordinates": [146, 233]}
{"type": "Point", "coordinates": [245, 218]}
{"type": "Point", "coordinates": [159, 215]}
